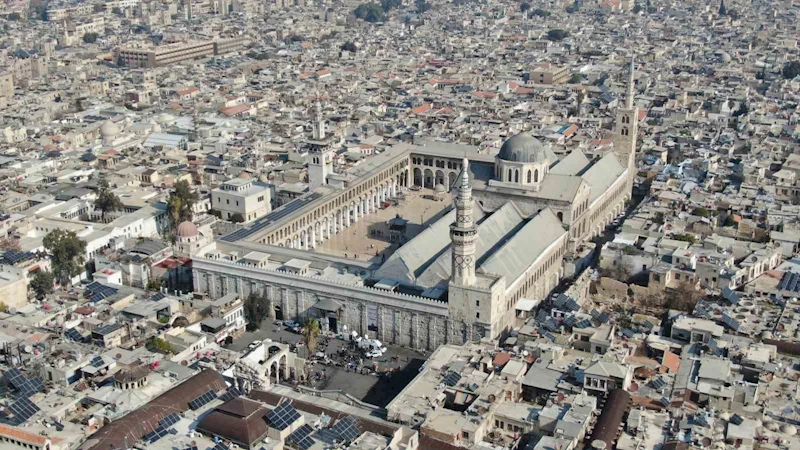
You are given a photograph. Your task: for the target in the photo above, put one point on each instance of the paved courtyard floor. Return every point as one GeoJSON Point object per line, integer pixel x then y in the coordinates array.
{"type": "Point", "coordinates": [368, 239]}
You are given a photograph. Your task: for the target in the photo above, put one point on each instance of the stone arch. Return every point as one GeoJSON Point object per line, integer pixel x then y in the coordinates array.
{"type": "Point", "coordinates": [536, 175]}
{"type": "Point", "coordinates": [428, 178]}
{"type": "Point", "coordinates": [451, 179]}
{"type": "Point", "coordinates": [509, 175]}
{"type": "Point", "coordinates": [417, 176]}
{"type": "Point", "coordinates": [516, 176]}
{"type": "Point", "coordinates": [440, 177]}
{"type": "Point", "coordinates": [530, 176]}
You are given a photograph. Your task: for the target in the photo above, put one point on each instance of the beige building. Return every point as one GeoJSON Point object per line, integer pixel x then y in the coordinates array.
{"type": "Point", "coordinates": [6, 84]}
{"type": "Point", "coordinates": [241, 197]}
{"type": "Point", "coordinates": [549, 74]}
{"type": "Point", "coordinates": [164, 55]}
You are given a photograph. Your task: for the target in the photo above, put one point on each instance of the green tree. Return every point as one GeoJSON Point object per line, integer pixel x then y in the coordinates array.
{"type": "Point", "coordinates": [637, 8]}
{"type": "Point", "coordinates": [237, 218]}
{"type": "Point", "coordinates": [67, 254]}
{"type": "Point", "coordinates": [154, 285]}
{"type": "Point", "coordinates": [539, 12]}
{"type": "Point", "coordinates": [702, 212]}
{"type": "Point", "coordinates": [42, 283]}
{"type": "Point", "coordinates": [791, 70]}
{"type": "Point", "coordinates": [311, 332]}
{"type": "Point", "coordinates": [557, 34]}
{"type": "Point", "coordinates": [575, 78]}
{"type": "Point", "coordinates": [90, 38]}
{"type": "Point", "coordinates": [685, 238]}
{"type": "Point", "coordinates": [257, 308]}
{"type": "Point", "coordinates": [157, 344]}
{"type": "Point", "coordinates": [3, 307]}
{"type": "Point", "coordinates": [684, 297]}
{"type": "Point", "coordinates": [349, 46]}
{"type": "Point", "coordinates": [106, 201]}
{"type": "Point", "coordinates": [723, 11]}
{"type": "Point", "coordinates": [8, 243]}
{"type": "Point", "coordinates": [180, 203]}
{"type": "Point", "coordinates": [371, 12]}
{"type": "Point", "coordinates": [524, 7]}
{"type": "Point", "coordinates": [14, 16]}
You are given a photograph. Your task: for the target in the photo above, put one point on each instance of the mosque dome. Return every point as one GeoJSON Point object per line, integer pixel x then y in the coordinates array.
{"type": "Point", "coordinates": [109, 129]}
{"type": "Point", "coordinates": [522, 148]}
{"type": "Point", "coordinates": [187, 229]}
{"type": "Point", "coordinates": [165, 118]}
{"type": "Point", "coordinates": [245, 175]}
{"type": "Point", "coordinates": [439, 188]}
{"type": "Point", "coordinates": [263, 178]}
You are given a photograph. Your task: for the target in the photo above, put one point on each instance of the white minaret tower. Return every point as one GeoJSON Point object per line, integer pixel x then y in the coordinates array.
{"type": "Point", "coordinates": [320, 155]}
{"type": "Point", "coordinates": [463, 234]}
{"type": "Point", "coordinates": [627, 130]}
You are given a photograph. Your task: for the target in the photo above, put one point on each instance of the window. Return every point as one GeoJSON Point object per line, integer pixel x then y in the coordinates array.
{"type": "Point", "coordinates": [477, 303]}
{"type": "Point", "coordinates": [237, 202]}
{"type": "Point", "coordinates": [477, 315]}
{"type": "Point", "coordinates": [509, 175]}
{"type": "Point", "coordinates": [536, 176]}
{"type": "Point", "coordinates": [516, 176]}
{"type": "Point", "coordinates": [530, 176]}
{"type": "Point", "coordinates": [227, 201]}
{"type": "Point", "coordinates": [677, 276]}
{"type": "Point", "coordinates": [656, 277]}
{"type": "Point", "coordinates": [261, 198]}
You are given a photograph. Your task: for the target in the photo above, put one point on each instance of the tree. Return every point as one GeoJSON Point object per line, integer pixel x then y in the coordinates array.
{"type": "Point", "coordinates": [180, 203]}
{"type": "Point", "coordinates": [349, 46]}
{"type": "Point", "coordinates": [154, 285]}
{"type": "Point", "coordinates": [637, 8]}
{"type": "Point", "coordinates": [741, 110]}
{"type": "Point", "coordinates": [388, 5]}
{"type": "Point", "coordinates": [8, 243]}
{"type": "Point", "coordinates": [524, 7]}
{"type": "Point", "coordinates": [157, 344]}
{"type": "Point", "coordinates": [730, 221]}
{"type": "Point", "coordinates": [791, 70]}
{"type": "Point", "coordinates": [575, 78]}
{"type": "Point", "coordinates": [684, 297]}
{"type": "Point", "coordinates": [702, 212]}
{"type": "Point", "coordinates": [311, 332]}
{"type": "Point", "coordinates": [371, 12]}
{"type": "Point", "coordinates": [539, 12]}
{"type": "Point", "coordinates": [557, 34]}
{"type": "Point", "coordinates": [257, 308]}
{"type": "Point", "coordinates": [685, 238]}
{"type": "Point", "coordinates": [237, 218]}
{"type": "Point", "coordinates": [14, 16]}
{"type": "Point", "coordinates": [90, 38]}
{"type": "Point", "coordinates": [106, 201]}
{"type": "Point", "coordinates": [722, 10]}
{"type": "Point", "coordinates": [42, 283]}
{"type": "Point", "coordinates": [67, 254]}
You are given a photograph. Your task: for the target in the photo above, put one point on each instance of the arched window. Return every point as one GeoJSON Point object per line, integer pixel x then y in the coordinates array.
{"type": "Point", "coordinates": [516, 176]}
{"type": "Point", "coordinates": [560, 216]}
{"type": "Point", "coordinates": [530, 176]}
{"type": "Point", "coordinates": [536, 176]}
{"type": "Point", "coordinates": [509, 175]}
{"type": "Point", "coordinates": [624, 131]}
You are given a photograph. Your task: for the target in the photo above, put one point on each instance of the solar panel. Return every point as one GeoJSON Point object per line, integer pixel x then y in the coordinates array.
{"type": "Point", "coordinates": [158, 297]}
{"type": "Point", "coordinates": [731, 296]}
{"type": "Point", "coordinates": [220, 446]}
{"type": "Point", "coordinates": [550, 336]}
{"type": "Point", "coordinates": [96, 298]}
{"type": "Point", "coordinates": [94, 286]}
{"type": "Point", "coordinates": [657, 383]}
{"type": "Point", "coordinates": [230, 395]}
{"type": "Point", "coordinates": [628, 333]}
{"type": "Point", "coordinates": [272, 217]}
{"type": "Point", "coordinates": [98, 361]}
{"type": "Point", "coordinates": [170, 420]}
{"type": "Point", "coordinates": [301, 438]}
{"type": "Point", "coordinates": [603, 318]}
{"type": "Point", "coordinates": [347, 428]}
{"type": "Point", "coordinates": [106, 329]}
{"type": "Point", "coordinates": [282, 416]}
{"type": "Point", "coordinates": [730, 322]}
{"type": "Point", "coordinates": [190, 447]}
{"type": "Point", "coordinates": [451, 378]}
{"type": "Point", "coordinates": [595, 313]}
{"type": "Point", "coordinates": [156, 434]}
{"type": "Point", "coordinates": [583, 324]}
{"type": "Point", "coordinates": [202, 399]}
{"type": "Point", "coordinates": [14, 377]}
{"type": "Point", "coordinates": [665, 402]}
{"type": "Point", "coordinates": [23, 409]}
{"type": "Point", "coordinates": [736, 419]}
{"type": "Point", "coordinates": [30, 386]}
{"type": "Point", "coordinates": [701, 420]}
{"type": "Point", "coordinates": [73, 335]}
{"type": "Point", "coordinates": [570, 321]}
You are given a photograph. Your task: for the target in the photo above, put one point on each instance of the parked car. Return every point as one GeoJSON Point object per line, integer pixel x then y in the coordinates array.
{"type": "Point", "coordinates": [374, 354]}
{"type": "Point", "coordinates": [254, 344]}
{"type": "Point", "coordinates": [290, 324]}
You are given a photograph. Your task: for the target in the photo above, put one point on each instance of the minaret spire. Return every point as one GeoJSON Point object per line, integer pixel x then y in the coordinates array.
{"type": "Point", "coordinates": [319, 123]}
{"type": "Point", "coordinates": [629, 97]}
{"type": "Point", "coordinates": [463, 233]}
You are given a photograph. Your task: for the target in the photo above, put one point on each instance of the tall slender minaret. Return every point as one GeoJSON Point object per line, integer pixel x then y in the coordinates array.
{"type": "Point", "coordinates": [463, 234]}
{"type": "Point", "coordinates": [627, 130]}
{"type": "Point", "coordinates": [320, 162]}
{"type": "Point", "coordinates": [319, 123]}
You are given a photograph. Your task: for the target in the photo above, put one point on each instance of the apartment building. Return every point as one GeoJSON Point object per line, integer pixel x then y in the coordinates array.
{"type": "Point", "coordinates": [549, 74]}
{"type": "Point", "coordinates": [164, 55]}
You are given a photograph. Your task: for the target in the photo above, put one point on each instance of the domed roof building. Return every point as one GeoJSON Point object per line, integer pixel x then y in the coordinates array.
{"type": "Point", "coordinates": [108, 131]}
{"type": "Point", "coordinates": [187, 229]}
{"type": "Point", "coordinates": [523, 160]}
{"type": "Point", "coordinates": [523, 148]}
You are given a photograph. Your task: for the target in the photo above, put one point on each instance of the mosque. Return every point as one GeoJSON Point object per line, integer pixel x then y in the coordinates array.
{"type": "Point", "coordinates": [516, 216]}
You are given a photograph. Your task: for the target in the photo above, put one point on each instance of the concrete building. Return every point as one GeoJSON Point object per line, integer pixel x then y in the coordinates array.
{"type": "Point", "coordinates": [242, 200]}
{"type": "Point", "coordinates": [164, 55]}
{"type": "Point", "coordinates": [549, 74]}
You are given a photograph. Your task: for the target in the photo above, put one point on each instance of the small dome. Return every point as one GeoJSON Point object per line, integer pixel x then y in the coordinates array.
{"type": "Point", "coordinates": [263, 178]}
{"type": "Point", "coordinates": [439, 188]}
{"type": "Point", "coordinates": [789, 429]}
{"type": "Point", "coordinates": [165, 118]}
{"type": "Point", "coordinates": [523, 148]}
{"type": "Point", "coordinates": [109, 129]}
{"type": "Point", "coordinates": [245, 175]}
{"type": "Point", "coordinates": [187, 229]}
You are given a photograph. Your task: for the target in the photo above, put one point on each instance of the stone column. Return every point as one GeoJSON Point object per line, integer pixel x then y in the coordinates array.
{"type": "Point", "coordinates": [355, 212]}
{"type": "Point", "coordinates": [313, 238]}
{"type": "Point", "coordinates": [364, 322]}
{"type": "Point", "coordinates": [415, 331]}
{"type": "Point", "coordinates": [347, 218]}
{"type": "Point", "coordinates": [321, 237]}
{"type": "Point", "coordinates": [394, 189]}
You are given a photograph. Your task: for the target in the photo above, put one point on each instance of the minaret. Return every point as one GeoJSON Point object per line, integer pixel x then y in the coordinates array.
{"type": "Point", "coordinates": [627, 130]}
{"type": "Point", "coordinates": [320, 158]}
{"type": "Point", "coordinates": [463, 234]}
{"type": "Point", "coordinates": [319, 123]}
